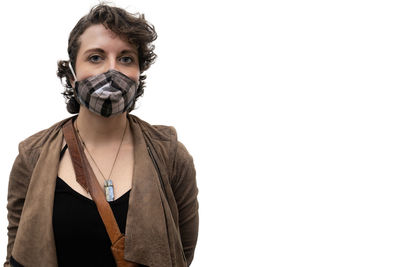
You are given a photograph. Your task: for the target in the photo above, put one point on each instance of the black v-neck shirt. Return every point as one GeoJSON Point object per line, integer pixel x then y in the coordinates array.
{"type": "Point", "coordinates": [80, 235]}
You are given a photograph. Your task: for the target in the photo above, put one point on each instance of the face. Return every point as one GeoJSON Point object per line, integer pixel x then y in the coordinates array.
{"type": "Point", "coordinates": [101, 50]}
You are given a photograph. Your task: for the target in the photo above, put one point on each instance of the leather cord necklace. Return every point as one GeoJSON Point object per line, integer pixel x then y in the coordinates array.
{"type": "Point", "coordinates": [108, 184]}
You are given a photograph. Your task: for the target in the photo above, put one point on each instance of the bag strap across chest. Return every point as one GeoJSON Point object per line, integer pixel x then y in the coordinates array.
{"type": "Point", "coordinates": [87, 179]}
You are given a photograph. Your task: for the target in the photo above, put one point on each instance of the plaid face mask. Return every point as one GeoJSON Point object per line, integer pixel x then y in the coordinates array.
{"type": "Point", "coordinates": [106, 94]}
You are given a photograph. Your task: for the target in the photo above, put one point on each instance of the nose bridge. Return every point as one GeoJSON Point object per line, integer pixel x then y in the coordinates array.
{"type": "Point", "coordinates": [112, 63]}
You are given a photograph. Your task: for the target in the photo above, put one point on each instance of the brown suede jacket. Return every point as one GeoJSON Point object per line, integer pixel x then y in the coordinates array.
{"type": "Point", "coordinates": [162, 221]}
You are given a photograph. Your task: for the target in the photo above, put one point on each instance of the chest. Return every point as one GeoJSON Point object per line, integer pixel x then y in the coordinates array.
{"type": "Point", "coordinates": [105, 165]}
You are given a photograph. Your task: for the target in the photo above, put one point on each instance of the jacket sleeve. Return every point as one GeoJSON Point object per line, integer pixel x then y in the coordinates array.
{"type": "Point", "coordinates": [185, 190]}
{"type": "Point", "coordinates": [17, 188]}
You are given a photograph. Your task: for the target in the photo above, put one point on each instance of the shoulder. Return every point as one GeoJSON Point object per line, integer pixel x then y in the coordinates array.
{"type": "Point", "coordinates": [165, 142]}
{"type": "Point", "coordinates": [29, 151]}
{"type": "Point", "coordinates": [36, 141]}
{"type": "Point", "coordinates": [161, 137]}
{"type": "Point", "coordinates": [156, 132]}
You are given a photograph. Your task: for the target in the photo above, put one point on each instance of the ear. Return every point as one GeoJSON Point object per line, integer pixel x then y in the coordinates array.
{"type": "Point", "coordinates": [72, 82]}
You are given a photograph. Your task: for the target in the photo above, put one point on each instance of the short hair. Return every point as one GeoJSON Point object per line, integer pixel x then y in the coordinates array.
{"type": "Point", "coordinates": [130, 27]}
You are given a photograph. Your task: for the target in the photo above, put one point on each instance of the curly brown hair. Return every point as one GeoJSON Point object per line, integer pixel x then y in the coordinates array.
{"type": "Point", "coordinates": [131, 27]}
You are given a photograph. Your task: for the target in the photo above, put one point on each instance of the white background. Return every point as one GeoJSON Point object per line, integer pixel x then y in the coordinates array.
{"type": "Point", "coordinates": [289, 108]}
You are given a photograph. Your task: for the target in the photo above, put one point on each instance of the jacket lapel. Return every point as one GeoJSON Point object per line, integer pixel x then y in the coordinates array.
{"type": "Point", "coordinates": [34, 244]}
{"type": "Point", "coordinates": [146, 230]}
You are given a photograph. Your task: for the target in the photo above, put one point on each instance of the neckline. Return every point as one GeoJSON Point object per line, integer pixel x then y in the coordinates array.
{"type": "Point", "coordinates": [77, 194]}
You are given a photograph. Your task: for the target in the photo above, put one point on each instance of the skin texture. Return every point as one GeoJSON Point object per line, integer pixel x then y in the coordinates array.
{"type": "Point", "coordinates": [102, 50]}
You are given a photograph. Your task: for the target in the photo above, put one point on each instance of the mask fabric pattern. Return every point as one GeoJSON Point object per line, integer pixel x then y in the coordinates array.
{"type": "Point", "coordinates": [106, 94]}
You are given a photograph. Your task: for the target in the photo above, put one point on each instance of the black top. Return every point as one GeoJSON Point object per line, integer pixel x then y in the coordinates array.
{"type": "Point", "coordinates": [80, 235]}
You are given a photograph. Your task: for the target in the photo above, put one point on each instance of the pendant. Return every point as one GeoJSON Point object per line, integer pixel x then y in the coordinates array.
{"type": "Point", "coordinates": [109, 188]}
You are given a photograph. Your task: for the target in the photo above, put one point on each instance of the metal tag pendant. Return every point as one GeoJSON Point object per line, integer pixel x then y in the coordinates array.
{"type": "Point", "coordinates": [109, 189]}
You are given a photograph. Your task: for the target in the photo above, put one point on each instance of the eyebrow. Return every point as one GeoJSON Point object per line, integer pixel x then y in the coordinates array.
{"type": "Point", "coordinates": [97, 50]}
{"type": "Point", "coordinates": [101, 51]}
{"type": "Point", "coordinates": [128, 51]}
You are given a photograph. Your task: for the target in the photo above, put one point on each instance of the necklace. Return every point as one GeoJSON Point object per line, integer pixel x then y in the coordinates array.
{"type": "Point", "coordinates": [108, 184]}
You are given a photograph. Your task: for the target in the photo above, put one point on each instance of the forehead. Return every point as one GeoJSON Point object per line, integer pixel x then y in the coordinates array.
{"type": "Point", "coordinates": [97, 36]}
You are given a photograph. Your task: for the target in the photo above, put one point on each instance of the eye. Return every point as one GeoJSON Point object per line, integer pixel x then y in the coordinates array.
{"type": "Point", "coordinates": [126, 60]}
{"type": "Point", "coordinates": [95, 58]}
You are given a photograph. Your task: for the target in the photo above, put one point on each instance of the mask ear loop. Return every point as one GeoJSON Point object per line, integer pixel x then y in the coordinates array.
{"type": "Point", "coordinates": [72, 70]}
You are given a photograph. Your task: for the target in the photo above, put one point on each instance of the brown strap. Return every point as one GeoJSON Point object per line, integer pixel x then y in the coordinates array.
{"type": "Point", "coordinates": [87, 179]}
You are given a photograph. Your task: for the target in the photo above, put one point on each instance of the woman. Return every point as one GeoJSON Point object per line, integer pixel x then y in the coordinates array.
{"type": "Point", "coordinates": [150, 177]}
